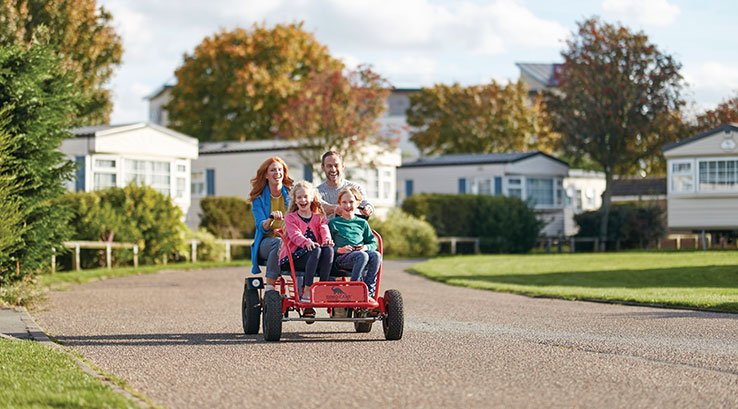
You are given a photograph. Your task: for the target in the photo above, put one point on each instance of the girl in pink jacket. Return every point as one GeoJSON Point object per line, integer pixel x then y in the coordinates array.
{"type": "Point", "coordinates": [306, 227]}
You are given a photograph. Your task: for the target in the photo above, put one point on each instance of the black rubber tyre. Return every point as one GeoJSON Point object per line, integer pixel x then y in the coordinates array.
{"type": "Point", "coordinates": [394, 322]}
{"type": "Point", "coordinates": [250, 310]}
{"type": "Point", "coordinates": [362, 326]}
{"type": "Point", "coordinates": [272, 320]}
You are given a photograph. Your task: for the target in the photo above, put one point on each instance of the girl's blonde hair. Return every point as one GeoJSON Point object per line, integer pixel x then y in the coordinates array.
{"type": "Point", "coordinates": [308, 188]}
{"type": "Point", "coordinates": [350, 190]}
{"type": "Point", "coordinates": [259, 182]}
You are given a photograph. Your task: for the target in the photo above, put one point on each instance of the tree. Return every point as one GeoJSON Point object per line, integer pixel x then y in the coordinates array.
{"type": "Point", "coordinates": [725, 112]}
{"type": "Point", "coordinates": [12, 226]}
{"type": "Point", "coordinates": [478, 119]}
{"type": "Point", "coordinates": [335, 111]}
{"type": "Point", "coordinates": [83, 36]}
{"type": "Point", "coordinates": [236, 81]}
{"type": "Point", "coordinates": [39, 102]}
{"type": "Point", "coordinates": [617, 100]}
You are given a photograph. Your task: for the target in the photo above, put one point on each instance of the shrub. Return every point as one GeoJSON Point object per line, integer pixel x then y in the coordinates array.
{"type": "Point", "coordinates": [406, 236]}
{"type": "Point", "coordinates": [633, 225]}
{"type": "Point", "coordinates": [503, 224]}
{"type": "Point", "coordinates": [137, 214]}
{"type": "Point", "coordinates": [38, 99]}
{"type": "Point", "coordinates": [208, 248]}
{"type": "Point", "coordinates": [227, 217]}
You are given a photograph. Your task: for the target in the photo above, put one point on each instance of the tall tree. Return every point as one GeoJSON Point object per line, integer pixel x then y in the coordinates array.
{"type": "Point", "coordinates": [335, 111]}
{"type": "Point", "coordinates": [478, 119]}
{"type": "Point", "coordinates": [12, 226]}
{"type": "Point", "coordinates": [39, 102]}
{"type": "Point", "coordinates": [236, 81]}
{"type": "Point", "coordinates": [725, 112]}
{"type": "Point", "coordinates": [617, 99]}
{"type": "Point", "coordinates": [82, 34]}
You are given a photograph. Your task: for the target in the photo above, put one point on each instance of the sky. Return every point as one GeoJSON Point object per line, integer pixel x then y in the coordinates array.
{"type": "Point", "coordinates": [417, 43]}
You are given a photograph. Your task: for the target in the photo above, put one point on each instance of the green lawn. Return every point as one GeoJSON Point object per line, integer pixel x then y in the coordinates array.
{"type": "Point", "coordinates": [33, 375]}
{"type": "Point", "coordinates": [706, 280]}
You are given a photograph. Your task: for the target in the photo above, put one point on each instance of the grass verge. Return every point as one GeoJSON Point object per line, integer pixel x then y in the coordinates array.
{"type": "Point", "coordinates": [701, 280]}
{"type": "Point", "coordinates": [36, 376]}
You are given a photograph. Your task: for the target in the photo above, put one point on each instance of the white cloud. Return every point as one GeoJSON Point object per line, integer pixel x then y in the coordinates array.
{"type": "Point", "coordinates": [659, 13]}
{"type": "Point", "coordinates": [712, 82]}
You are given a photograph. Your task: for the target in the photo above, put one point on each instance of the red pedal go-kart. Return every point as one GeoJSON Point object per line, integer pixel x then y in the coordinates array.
{"type": "Point", "coordinates": [345, 300]}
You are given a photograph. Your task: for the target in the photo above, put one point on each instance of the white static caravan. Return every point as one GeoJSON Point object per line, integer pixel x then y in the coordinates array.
{"type": "Point", "coordinates": [144, 153]}
{"type": "Point", "coordinates": [226, 169]}
{"type": "Point", "coordinates": [531, 176]}
{"type": "Point", "coordinates": [702, 181]}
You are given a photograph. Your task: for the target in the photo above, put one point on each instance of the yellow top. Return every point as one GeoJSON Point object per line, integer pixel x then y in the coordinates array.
{"type": "Point", "coordinates": [277, 203]}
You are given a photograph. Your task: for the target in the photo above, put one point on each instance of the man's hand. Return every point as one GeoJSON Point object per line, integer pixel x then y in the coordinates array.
{"type": "Point", "coordinates": [368, 210]}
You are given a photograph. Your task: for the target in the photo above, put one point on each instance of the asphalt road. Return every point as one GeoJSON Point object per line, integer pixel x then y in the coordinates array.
{"type": "Point", "coordinates": [176, 336]}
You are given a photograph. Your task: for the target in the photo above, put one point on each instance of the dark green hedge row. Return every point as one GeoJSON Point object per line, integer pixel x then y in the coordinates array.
{"type": "Point", "coordinates": [635, 226]}
{"type": "Point", "coordinates": [504, 224]}
{"type": "Point", "coordinates": [227, 217]}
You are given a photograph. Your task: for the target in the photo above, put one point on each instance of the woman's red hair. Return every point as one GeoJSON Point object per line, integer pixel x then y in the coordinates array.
{"type": "Point", "coordinates": [259, 182]}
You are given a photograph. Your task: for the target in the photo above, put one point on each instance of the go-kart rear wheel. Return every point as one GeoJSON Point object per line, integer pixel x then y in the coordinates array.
{"type": "Point", "coordinates": [394, 321]}
{"type": "Point", "coordinates": [272, 321]}
{"type": "Point", "coordinates": [250, 310]}
{"type": "Point", "coordinates": [362, 326]}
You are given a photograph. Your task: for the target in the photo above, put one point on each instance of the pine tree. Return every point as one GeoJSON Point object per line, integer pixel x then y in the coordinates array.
{"type": "Point", "coordinates": [39, 100]}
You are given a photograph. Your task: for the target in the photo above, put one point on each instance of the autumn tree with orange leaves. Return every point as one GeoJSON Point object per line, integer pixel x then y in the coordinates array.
{"type": "Point", "coordinates": [618, 99]}
{"type": "Point", "coordinates": [236, 82]}
{"type": "Point", "coordinates": [725, 112]}
{"type": "Point", "coordinates": [335, 110]}
{"type": "Point", "coordinates": [485, 118]}
{"type": "Point", "coordinates": [82, 35]}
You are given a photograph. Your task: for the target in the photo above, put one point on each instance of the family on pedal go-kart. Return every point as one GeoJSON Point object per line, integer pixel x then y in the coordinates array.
{"type": "Point", "coordinates": [303, 232]}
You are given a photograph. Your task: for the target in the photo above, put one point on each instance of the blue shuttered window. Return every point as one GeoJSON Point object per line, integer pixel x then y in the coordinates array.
{"type": "Point", "coordinates": [307, 172]}
{"type": "Point", "coordinates": [210, 181]}
{"type": "Point", "coordinates": [79, 174]}
{"type": "Point", "coordinates": [408, 188]}
{"type": "Point", "coordinates": [462, 185]}
{"type": "Point", "coordinates": [498, 185]}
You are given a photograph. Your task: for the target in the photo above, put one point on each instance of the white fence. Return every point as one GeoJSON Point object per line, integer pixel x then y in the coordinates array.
{"type": "Point", "coordinates": [77, 246]}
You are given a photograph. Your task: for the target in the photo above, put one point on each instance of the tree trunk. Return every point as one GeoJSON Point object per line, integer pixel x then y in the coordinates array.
{"type": "Point", "coordinates": [606, 196]}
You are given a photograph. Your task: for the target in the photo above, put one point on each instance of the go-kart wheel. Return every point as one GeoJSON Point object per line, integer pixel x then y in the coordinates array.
{"type": "Point", "coordinates": [272, 320]}
{"type": "Point", "coordinates": [394, 321]}
{"type": "Point", "coordinates": [250, 310]}
{"type": "Point", "coordinates": [362, 326]}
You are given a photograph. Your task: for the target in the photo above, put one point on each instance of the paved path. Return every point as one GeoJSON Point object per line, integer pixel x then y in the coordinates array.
{"type": "Point", "coordinates": [176, 336]}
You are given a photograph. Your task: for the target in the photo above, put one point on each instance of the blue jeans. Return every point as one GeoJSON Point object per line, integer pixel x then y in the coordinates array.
{"type": "Point", "coordinates": [364, 266]}
{"type": "Point", "coordinates": [269, 251]}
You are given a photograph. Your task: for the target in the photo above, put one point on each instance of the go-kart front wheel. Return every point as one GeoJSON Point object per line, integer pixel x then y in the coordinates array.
{"type": "Point", "coordinates": [272, 320]}
{"type": "Point", "coordinates": [394, 321]}
{"type": "Point", "coordinates": [250, 310]}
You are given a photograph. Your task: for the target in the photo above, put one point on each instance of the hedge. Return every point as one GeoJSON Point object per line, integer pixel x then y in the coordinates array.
{"type": "Point", "coordinates": [634, 226]}
{"type": "Point", "coordinates": [503, 224]}
{"type": "Point", "coordinates": [227, 217]}
{"type": "Point", "coordinates": [404, 235]}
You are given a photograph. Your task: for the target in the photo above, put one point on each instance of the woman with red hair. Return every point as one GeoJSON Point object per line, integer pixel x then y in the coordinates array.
{"type": "Point", "coordinates": [269, 197]}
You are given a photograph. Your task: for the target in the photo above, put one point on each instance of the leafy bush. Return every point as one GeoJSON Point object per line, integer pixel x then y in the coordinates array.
{"type": "Point", "coordinates": [634, 226]}
{"type": "Point", "coordinates": [208, 248]}
{"type": "Point", "coordinates": [137, 214]}
{"type": "Point", "coordinates": [37, 99]}
{"type": "Point", "coordinates": [227, 217]}
{"type": "Point", "coordinates": [503, 224]}
{"type": "Point", "coordinates": [406, 236]}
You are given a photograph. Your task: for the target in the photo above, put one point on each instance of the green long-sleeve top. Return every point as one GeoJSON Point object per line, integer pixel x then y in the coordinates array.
{"type": "Point", "coordinates": [352, 232]}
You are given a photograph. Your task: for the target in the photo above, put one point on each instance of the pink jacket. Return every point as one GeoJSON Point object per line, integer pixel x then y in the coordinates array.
{"type": "Point", "coordinates": [295, 228]}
